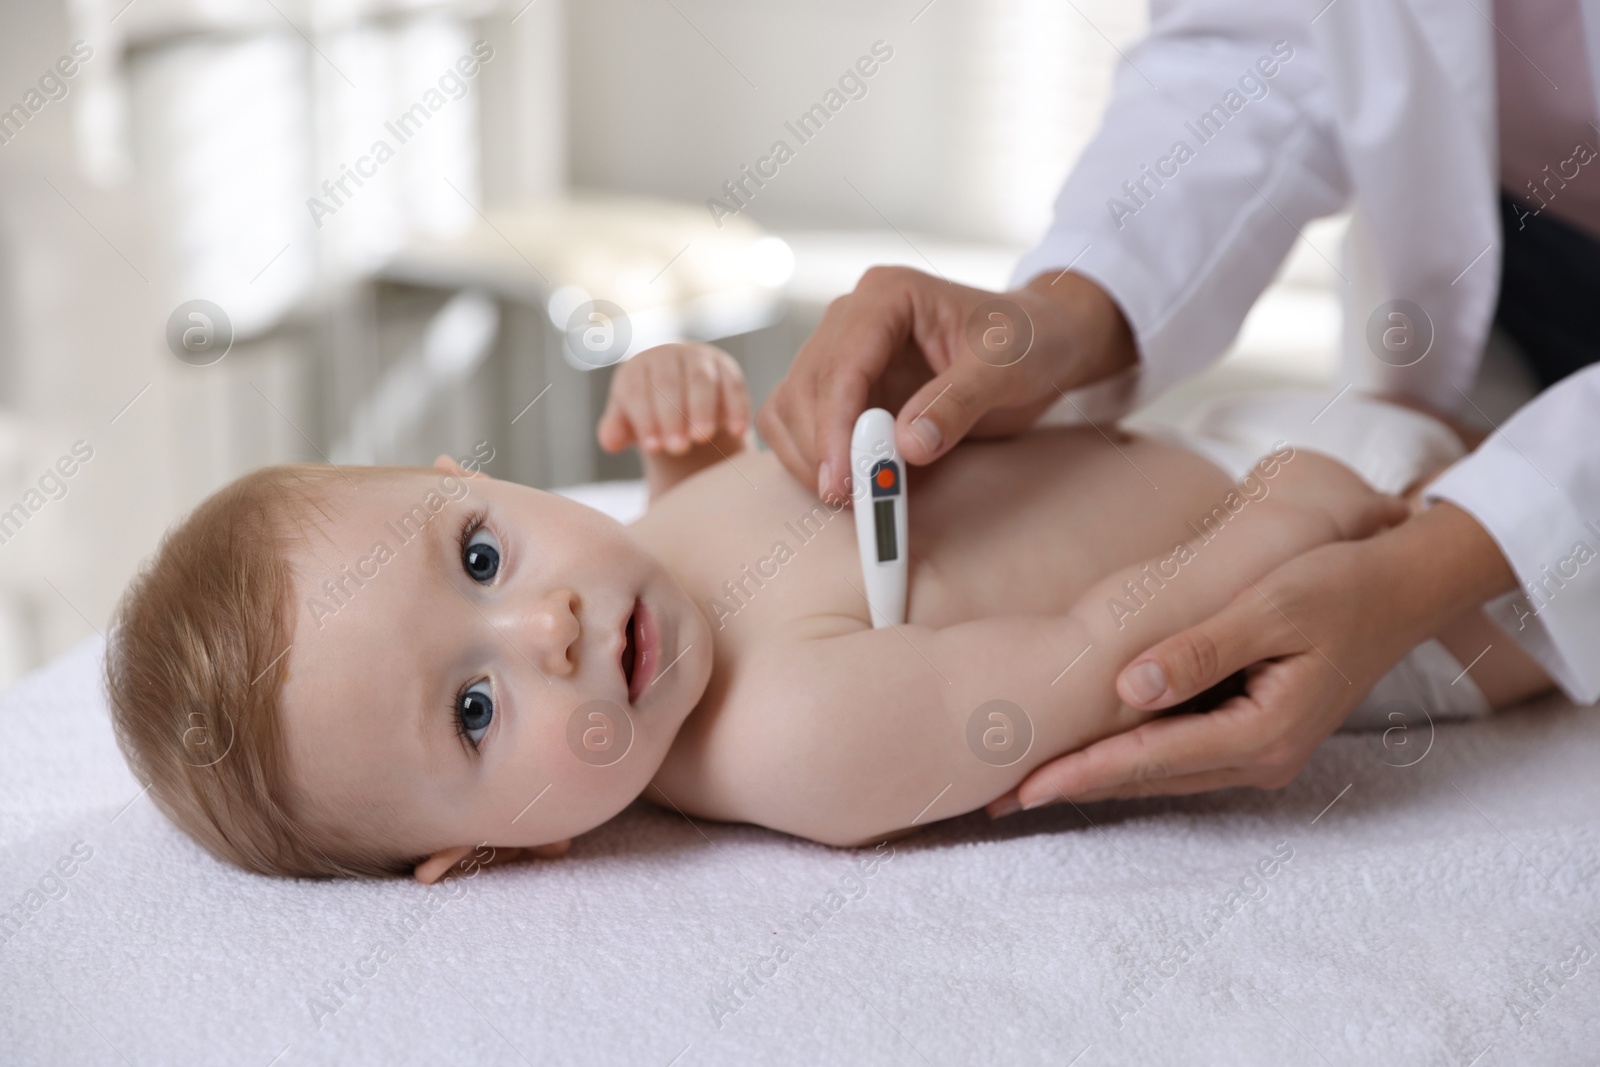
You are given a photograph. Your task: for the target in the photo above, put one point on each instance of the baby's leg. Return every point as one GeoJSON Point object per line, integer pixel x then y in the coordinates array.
{"type": "Point", "coordinates": [1312, 500]}
{"type": "Point", "coordinates": [1503, 672]}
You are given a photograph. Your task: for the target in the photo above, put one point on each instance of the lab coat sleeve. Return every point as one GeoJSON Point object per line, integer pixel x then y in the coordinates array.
{"type": "Point", "coordinates": [1186, 201]}
{"type": "Point", "coordinates": [1534, 485]}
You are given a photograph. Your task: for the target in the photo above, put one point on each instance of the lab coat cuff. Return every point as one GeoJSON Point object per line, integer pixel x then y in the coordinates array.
{"type": "Point", "coordinates": [1555, 616]}
{"type": "Point", "coordinates": [1127, 281]}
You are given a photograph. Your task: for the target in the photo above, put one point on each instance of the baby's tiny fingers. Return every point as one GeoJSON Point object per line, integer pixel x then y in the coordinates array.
{"type": "Point", "coordinates": [641, 413]}
{"type": "Point", "coordinates": [735, 400]}
{"type": "Point", "coordinates": [701, 399]}
{"type": "Point", "coordinates": [613, 434]}
{"type": "Point", "coordinates": [614, 430]}
{"type": "Point", "coordinates": [666, 400]}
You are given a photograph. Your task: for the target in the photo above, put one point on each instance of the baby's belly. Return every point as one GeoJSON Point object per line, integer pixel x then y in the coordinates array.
{"type": "Point", "coordinates": [1020, 526]}
{"type": "Point", "coordinates": [1024, 526]}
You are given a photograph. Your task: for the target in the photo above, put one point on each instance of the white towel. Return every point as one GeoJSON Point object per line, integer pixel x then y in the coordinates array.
{"type": "Point", "coordinates": [1426, 909]}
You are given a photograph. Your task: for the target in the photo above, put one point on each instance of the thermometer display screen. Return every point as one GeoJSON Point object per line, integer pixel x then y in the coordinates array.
{"type": "Point", "coordinates": [883, 519]}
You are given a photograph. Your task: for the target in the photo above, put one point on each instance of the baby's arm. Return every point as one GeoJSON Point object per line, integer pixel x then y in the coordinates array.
{"type": "Point", "coordinates": [873, 731]}
{"type": "Point", "coordinates": [686, 406]}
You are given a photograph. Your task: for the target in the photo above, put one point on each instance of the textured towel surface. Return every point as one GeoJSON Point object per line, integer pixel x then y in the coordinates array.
{"type": "Point", "coordinates": [1445, 909]}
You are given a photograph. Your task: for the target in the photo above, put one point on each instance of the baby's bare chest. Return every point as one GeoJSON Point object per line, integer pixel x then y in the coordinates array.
{"type": "Point", "coordinates": [1014, 527]}
{"type": "Point", "coordinates": [1022, 527]}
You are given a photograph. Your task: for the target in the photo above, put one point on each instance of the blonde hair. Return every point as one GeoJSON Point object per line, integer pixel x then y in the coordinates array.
{"type": "Point", "coordinates": [194, 673]}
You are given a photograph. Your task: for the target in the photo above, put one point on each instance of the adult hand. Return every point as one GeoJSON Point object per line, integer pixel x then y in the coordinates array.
{"type": "Point", "coordinates": [1314, 635]}
{"type": "Point", "coordinates": [947, 363]}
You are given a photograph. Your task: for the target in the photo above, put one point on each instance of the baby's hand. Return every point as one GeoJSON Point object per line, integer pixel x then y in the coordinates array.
{"type": "Point", "coordinates": [675, 396]}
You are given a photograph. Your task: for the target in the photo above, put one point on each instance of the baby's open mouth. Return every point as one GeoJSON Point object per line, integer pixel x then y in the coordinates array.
{"type": "Point", "coordinates": [641, 644]}
{"type": "Point", "coordinates": [630, 646]}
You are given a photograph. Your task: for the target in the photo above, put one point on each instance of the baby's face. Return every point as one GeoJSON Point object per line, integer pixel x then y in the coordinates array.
{"type": "Point", "coordinates": [511, 671]}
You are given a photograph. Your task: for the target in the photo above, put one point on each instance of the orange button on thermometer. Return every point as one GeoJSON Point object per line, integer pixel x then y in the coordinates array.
{"type": "Point", "coordinates": [879, 498]}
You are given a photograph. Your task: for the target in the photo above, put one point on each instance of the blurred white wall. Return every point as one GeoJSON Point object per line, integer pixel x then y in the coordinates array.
{"type": "Point", "coordinates": [965, 132]}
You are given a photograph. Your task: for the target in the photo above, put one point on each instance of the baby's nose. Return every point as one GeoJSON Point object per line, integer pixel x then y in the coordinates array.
{"type": "Point", "coordinates": [546, 631]}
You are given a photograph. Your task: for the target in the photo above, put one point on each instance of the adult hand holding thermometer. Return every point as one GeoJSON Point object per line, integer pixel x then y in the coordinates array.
{"type": "Point", "coordinates": [878, 488]}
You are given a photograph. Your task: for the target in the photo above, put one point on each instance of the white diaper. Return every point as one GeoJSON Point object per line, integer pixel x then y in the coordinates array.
{"type": "Point", "coordinates": [1389, 446]}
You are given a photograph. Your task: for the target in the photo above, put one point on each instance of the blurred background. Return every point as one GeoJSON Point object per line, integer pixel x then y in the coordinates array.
{"type": "Point", "coordinates": [394, 211]}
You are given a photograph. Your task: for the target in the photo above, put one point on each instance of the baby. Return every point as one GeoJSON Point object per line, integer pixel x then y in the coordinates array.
{"type": "Point", "coordinates": [357, 671]}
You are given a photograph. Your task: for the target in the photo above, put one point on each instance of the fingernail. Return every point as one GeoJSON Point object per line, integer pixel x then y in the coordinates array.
{"type": "Point", "coordinates": [1146, 681]}
{"type": "Point", "coordinates": [927, 432]}
{"type": "Point", "coordinates": [651, 443]}
{"type": "Point", "coordinates": [822, 477]}
{"type": "Point", "coordinates": [677, 442]}
{"type": "Point", "coordinates": [1041, 802]}
{"type": "Point", "coordinates": [1009, 806]}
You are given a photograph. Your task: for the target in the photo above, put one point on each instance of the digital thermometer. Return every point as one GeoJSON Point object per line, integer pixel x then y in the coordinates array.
{"type": "Point", "coordinates": [878, 489]}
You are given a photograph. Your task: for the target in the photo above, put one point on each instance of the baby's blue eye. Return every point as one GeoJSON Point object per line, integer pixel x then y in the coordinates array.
{"type": "Point", "coordinates": [474, 712]}
{"type": "Point", "coordinates": [481, 557]}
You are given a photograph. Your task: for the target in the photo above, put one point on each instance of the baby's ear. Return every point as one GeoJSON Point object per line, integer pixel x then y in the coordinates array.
{"type": "Point", "coordinates": [553, 851]}
{"type": "Point", "coordinates": [437, 865]}
{"type": "Point", "coordinates": [440, 863]}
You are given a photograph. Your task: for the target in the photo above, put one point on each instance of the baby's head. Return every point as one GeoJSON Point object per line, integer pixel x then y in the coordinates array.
{"type": "Point", "coordinates": [374, 670]}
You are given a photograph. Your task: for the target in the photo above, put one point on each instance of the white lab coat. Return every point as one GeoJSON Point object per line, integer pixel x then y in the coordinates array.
{"type": "Point", "coordinates": [1386, 107]}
